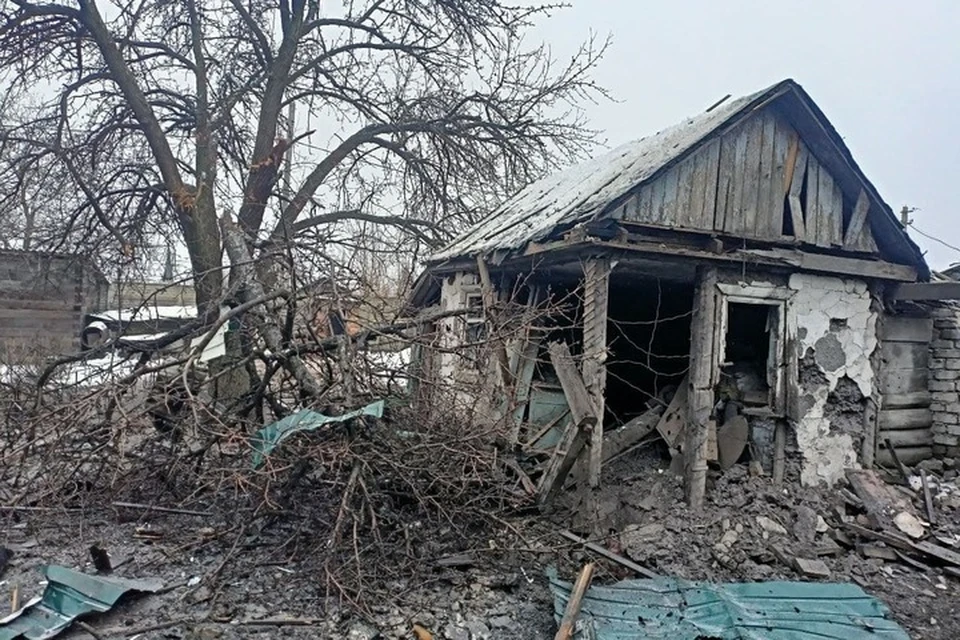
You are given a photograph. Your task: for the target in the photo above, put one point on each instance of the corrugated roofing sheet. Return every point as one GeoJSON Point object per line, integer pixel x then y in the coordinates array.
{"type": "Point", "coordinates": [579, 192]}
{"type": "Point", "coordinates": [684, 610]}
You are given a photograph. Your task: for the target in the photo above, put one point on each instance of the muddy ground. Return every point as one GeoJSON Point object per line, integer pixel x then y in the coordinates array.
{"type": "Point", "coordinates": [227, 577]}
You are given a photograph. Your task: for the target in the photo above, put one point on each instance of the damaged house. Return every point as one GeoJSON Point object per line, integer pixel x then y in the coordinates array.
{"type": "Point", "coordinates": [726, 286]}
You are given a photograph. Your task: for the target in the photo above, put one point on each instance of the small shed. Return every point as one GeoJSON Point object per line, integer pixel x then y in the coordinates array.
{"type": "Point", "coordinates": [43, 300]}
{"type": "Point", "coordinates": [730, 278]}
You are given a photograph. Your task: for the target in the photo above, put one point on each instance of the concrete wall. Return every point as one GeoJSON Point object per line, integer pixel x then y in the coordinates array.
{"type": "Point", "coordinates": [944, 381]}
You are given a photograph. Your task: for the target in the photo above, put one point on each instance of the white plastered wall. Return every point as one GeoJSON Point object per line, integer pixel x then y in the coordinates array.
{"type": "Point", "coordinates": [833, 318]}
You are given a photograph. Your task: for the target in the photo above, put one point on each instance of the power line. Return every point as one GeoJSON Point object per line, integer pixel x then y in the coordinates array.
{"type": "Point", "coordinates": [930, 237]}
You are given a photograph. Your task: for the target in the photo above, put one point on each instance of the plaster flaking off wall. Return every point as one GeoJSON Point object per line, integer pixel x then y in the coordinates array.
{"type": "Point", "coordinates": [837, 329]}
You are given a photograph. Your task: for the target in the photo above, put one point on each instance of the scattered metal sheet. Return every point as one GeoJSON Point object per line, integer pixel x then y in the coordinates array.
{"type": "Point", "coordinates": [684, 610]}
{"type": "Point", "coordinates": [268, 438]}
{"type": "Point", "coordinates": [69, 595]}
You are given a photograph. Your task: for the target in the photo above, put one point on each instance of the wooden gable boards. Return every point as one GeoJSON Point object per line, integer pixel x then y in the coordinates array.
{"type": "Point", "coordinates": [745, 182]}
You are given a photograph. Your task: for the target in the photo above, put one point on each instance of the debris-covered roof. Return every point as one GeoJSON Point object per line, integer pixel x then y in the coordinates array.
{"type": "Point", "coordinates": [588, 191]}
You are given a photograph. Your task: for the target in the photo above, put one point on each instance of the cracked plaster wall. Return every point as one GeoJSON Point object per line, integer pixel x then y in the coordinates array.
{"type": "Point", "coordinates": [836, 332]}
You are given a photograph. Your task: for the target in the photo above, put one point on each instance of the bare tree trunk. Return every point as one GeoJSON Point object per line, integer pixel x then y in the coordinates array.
{"type": "Point", "coordinates": [252, 289]}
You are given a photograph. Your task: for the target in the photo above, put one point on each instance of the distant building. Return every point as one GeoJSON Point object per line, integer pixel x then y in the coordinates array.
{"type": "Point", "coordinates": [43, 300]}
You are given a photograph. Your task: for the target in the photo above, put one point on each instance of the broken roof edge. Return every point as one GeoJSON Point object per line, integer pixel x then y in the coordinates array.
{"type": "Point", "coordinates": [888, 217]}
{"type": "Point", "coordinates": [895, 236]}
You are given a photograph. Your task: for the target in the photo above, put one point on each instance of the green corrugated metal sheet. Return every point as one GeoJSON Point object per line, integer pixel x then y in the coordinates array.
{"type": "Point", "coordinates": [69, 595]}
{"type": "Point", "coordinates": [684, 610]}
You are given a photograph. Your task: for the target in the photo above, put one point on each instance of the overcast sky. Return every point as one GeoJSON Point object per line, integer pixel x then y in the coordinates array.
{"type": "Point", "coordinates": [885, 73]}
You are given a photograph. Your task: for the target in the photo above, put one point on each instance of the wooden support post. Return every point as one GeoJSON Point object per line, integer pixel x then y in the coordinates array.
{"type": "Point", "coordinates": [596, 296]}
{"type": "Point", "coordinates": [565, 632]}
{"type": "Point", "coordinates": [702, 378]}
{"type": "Point", "coordinates": [498, 343]}
{"type": "Point", "coordinates": [869, 447]}
{"type": "Point", "coordinates": [779, 452]}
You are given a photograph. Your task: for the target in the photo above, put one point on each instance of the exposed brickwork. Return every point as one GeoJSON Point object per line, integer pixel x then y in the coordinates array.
{"type": "Point", "coordinates": [945, 382]}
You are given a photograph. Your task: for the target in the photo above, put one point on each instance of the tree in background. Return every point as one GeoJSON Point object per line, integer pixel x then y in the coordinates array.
{"type": "Point", "coordinates": [129, 121]}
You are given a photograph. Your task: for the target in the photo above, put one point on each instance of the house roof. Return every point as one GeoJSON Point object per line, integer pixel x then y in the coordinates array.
{"type": "Point", "coordinates": [590, 190]}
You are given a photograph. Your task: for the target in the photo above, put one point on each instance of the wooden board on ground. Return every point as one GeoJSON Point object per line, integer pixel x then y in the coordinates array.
{"type": "Point", "coordinates": [881, 501]}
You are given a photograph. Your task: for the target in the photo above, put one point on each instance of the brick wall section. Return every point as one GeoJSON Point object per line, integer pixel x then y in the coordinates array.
{"type": "Point", "coordinates": [944, 381]}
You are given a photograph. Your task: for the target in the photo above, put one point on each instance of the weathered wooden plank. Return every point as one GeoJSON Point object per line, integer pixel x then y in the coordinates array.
{"type": "Point", "coordinates": [868, 448]}
{"type": "Point", "coordinates": [830, 223]}
{"type": "Point", "coordinates": [752, 217]}
{"type": "Point", "coordinates": [701, 376]}
{"type": "Point", "coordinates": [768, 221]}
{"type": "Point", "coordinates": [927, 291]}
{"type": "Point", "coordinates": [596, 285]}
{"type": "Point", "coordinates": [578, 398]}
{"type": "Point", "coordinates": [904, 382]}
{"type": "Point", "coordinates": [836, 219]}
{"type": "Point", "coordinates": [907, 400]}
{"type": "Point", "coordinates": [668, 210]}
{"type": "Point", "coordinates": [881, 501]}
{"type": "Point", "coordinates": [865, 242]}
{"type": "Point", "coordinates": [570, 614]}
{"type": "Point", "coordinates": [656, 200]}
{"type": "Point", "coordinates": [813, 213]}
{"type": "Point", "coordinates": [622, 438]}
{"type": "Point", "coordinates": [578, 430]}
{"type": "Point", "coordinates": [796, 170]}
{"type": "Point", "coordinates": [835, 264]}
{"type": "Point", "coordinates": [572, 442]}
{"type": "Point", "coordinates": [777, 191]}
{"type": "Point", "coordinates": [709, 168]}
{"type": "Point", "coordinates": [644, 208]}
{"type": "Point", "coordinates": [725, 170]}
{"type": "Point", "coordinates": [907, 437]}
{"type": "Point", "coordinates": [857, 219]}
{"type": "Point", "coordinates": [902, 419]}
{"type": "Point", "coordinates": [897, 356]}
{"type": "Point", "coordinates": [693, 214]}
{"type": "Point", "coordinates": [684, 207]}
{"type": "Point", "coordinates": [733, 223]}
{"type": "Point", "coordinates": [907, 329]}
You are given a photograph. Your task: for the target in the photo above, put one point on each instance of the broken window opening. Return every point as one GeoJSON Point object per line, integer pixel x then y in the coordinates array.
{"type": "Point", "coordinates": [749, 373]}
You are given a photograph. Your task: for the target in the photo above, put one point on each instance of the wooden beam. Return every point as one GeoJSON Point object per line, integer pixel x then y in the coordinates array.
{"type": "Point", "coordinates": [569, 620]}
{"type": "Point", "coordinates": [836, 264]}
{"type": "Point", "coordinates": [499, 346]}
{"type": "Point", "coordinates": [578, 398]}
{"type": "Point", "coordinates": [609, 555]}
{"type": "Point", "coordinates": [578, 431]}
{"type": "Point", "coordinates": [927, 291]}
{"type": "Point", "coordinates": [596, 295]}
{"type": "Point", "coordinates": [702, 375]}
{"type": "Point", "coordinates": [814, 262]}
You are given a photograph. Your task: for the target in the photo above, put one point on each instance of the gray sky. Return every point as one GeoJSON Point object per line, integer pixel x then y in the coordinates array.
{"type": "Point", "coordinates": [885, 73]}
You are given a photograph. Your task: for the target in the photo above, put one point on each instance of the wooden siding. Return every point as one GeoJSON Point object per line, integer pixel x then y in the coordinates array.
{"type": "Point", "coordinates": [905, 417]}
{"type": "Point", "coordinates": [743, 183]}
{"type": "Point", "coordinates": [42, 302]}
